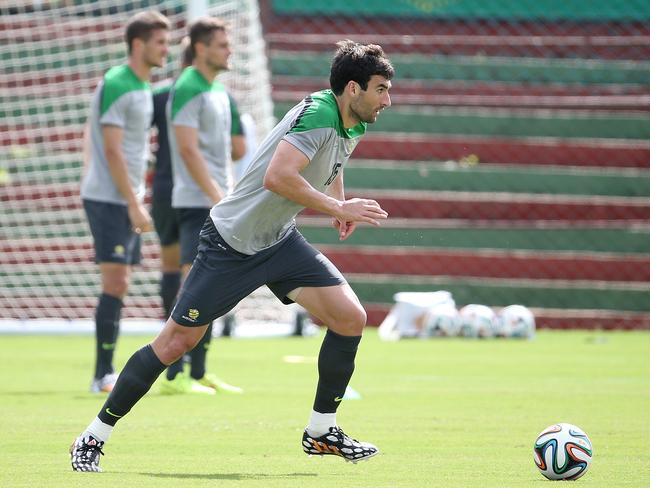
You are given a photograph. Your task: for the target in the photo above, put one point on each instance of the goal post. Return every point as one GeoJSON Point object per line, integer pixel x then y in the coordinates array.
{"type": "Point", "coordinates": [53, 55]}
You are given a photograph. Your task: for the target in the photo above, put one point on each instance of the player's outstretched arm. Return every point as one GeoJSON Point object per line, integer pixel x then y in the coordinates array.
{"type": "Point", "coordinates": [283, 177]}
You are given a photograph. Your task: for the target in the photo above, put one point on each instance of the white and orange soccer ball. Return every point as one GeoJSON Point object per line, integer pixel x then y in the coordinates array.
{"type": "Point", "coordinates": [562, 452]}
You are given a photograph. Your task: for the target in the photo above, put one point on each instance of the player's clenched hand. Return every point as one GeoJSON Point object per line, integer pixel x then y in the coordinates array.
{"type": "Point", "coordinates": [140, 218]}
{"type": "Point", "coordinates": [361, 210]}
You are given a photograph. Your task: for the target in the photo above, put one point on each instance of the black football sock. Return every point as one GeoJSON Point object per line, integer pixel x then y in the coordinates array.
{"type": "Point", "coordinates": [174, 369]}
{"type": "Point", "coordinates": [169, 285]}
{"type": "Point", "coordinates": [107, 327]}
{"type": "Point", "coordinates": [335, 368]}
{"type": "Point", "coordinates": [199, 353]}
{"type": "Point", "coordinates": [139, 373]}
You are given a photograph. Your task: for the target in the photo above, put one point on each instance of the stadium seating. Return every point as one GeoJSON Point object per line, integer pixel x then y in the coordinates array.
{"type": "Point", "coordinates": [514, 161]}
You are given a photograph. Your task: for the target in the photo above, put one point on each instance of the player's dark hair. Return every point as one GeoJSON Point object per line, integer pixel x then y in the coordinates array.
{"type": "Point", "coordinates": [142, 25]}
{"type": "Point", "coordinates": [187, 58]}
{"type": "Point", "coordinates": [358, 62]}
{"type": "Point", "coordinates": [202, 30]}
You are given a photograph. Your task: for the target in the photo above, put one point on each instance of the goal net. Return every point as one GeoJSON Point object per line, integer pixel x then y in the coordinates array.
{"type": "Point", "coordinates": [54, 52]}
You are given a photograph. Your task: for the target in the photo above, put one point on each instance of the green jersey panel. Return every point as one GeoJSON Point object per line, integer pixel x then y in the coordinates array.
{"type": "Point", "coordinates": [321, 110]}
{"type": "Point", "coordinates": [119, 81]}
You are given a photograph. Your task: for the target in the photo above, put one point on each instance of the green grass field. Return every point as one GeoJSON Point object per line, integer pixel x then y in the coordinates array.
{"type": "Point", "coordinates": [445, 413]}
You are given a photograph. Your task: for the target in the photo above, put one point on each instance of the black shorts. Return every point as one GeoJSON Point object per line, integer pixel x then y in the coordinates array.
{"type": "Point", "coordinates": [165, 221]}
{"type": "Point", "coordinates": [191, 222]}
{"type": "Point", "coordinates": [220, 276]}
{"type": "Point", "coordinates": [115, 240]}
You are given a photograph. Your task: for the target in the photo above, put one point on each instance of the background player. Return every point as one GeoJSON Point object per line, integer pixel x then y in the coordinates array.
{"type": "Point", "coordinates": [164, 217]}
{"type": "Point", "coordinates": [113, 187]}
{"type": "Point", "coordinates": [204, 135]}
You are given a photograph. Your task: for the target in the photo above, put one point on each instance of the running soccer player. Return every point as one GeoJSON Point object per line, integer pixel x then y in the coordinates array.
{"type": "Point", "coordinates": [250, 239]}
{"type": "Point", "coordinates": [113, 187]}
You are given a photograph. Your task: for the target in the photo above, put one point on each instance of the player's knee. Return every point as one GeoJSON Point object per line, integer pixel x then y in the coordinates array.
{"type": "Point", "coordinates": [174, 341]}
{"type": "Point", "coordinates": [172, 350]}
{"type": "Point", "coordinates": [359, 319]}
{"type": "Point", "coordinates": [116, 286]}
{"type": "Point", "coordinates": [351, 322]}
{"type": "Point", "coordinates": [183, 342]}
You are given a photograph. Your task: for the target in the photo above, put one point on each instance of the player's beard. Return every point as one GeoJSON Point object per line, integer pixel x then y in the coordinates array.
{"type": "Point", "coordinates": [367, 115]}
{"type": "Point", "coordinates": [154, 61]}
{"type": "Point", "coordinates": [218, 67]}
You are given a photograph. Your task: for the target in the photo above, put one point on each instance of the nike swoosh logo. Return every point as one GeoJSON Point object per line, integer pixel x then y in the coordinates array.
{"type": "Point", "coordinates": [338, 399]}
{"type": "Point", "coordinates": [108, 411]}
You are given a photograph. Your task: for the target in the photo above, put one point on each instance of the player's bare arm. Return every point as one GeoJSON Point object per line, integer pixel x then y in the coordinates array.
{"type": "Point", "coordinates": [86, 148]}
{"type": "Point", "coordinates": [188, 147]}
{"type": "Point", "coordinates": [140, 218]}
{"type": "Point", "coordinates": [344, 227]}
{"type": "Point", "coordinates": [283, 177]}
{"type": "Point", "coordinates": [238, 147]}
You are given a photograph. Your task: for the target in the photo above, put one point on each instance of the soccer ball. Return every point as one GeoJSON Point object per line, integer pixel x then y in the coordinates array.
{"type": "Point", "coordinates": [562, 452]}
{"type": "Point", "coordinates": [442, 321]}
{"type": "Point", "coordinates": [477, 321]}
{"type": "Point", "coordinates": [516, 321]}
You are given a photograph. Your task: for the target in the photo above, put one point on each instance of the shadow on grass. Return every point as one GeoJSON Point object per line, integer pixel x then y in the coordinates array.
{"type": "Point", "coordinates": [230, 476]}
{"type": "Point", "coordinates": [72, 394]}
{"type": "Point", "coordinates": [39, 393]}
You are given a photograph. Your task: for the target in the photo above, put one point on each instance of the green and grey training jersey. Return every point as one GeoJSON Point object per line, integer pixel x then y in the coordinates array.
{"type": "Point", "coordinates": [196, 103]}
{"type": "Point", "coordinates": [122, 100]}
{"type": "Point", "coordinates": [252, 218]}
